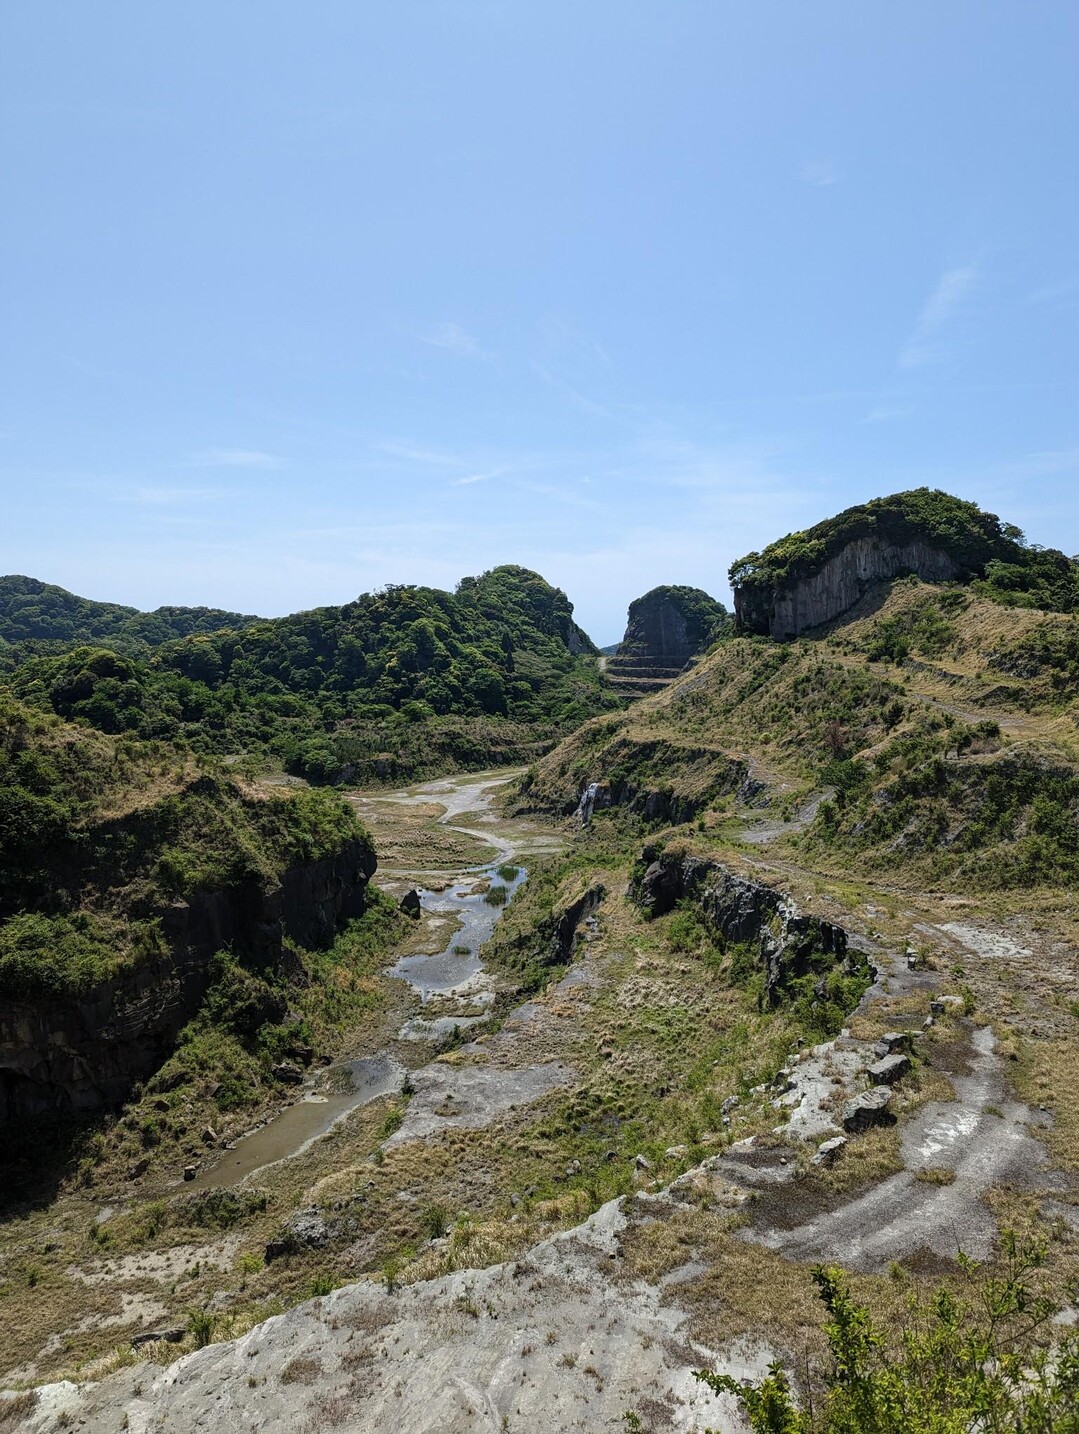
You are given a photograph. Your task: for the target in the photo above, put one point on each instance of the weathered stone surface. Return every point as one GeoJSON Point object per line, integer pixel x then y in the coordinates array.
{"type": "Point", "coordinates": [828, 1150]}
{"type": "Point", "coordinates": [660, 888]}
{"type": "Point", "coordinates": [868, 1109]}
{"type": "Point", "coordinates": [893, 1041]}
{"type": "Point", "coordinates": [306, 1229]}
{"type": "Point", "coordinates": [166, 1336]}
{"type": "Point", "coordinates": [842, 581]}
{"type": "Point", "coordinates": [441, 1371]}
{"type": "Point", "coordinates": [889, 1070]}
{"type": "Point", "coordinates": [410, 904]}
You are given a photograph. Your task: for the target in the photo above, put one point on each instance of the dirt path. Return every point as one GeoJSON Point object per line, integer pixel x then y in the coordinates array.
{"type": "Point", "coordinates": [982, 1139]}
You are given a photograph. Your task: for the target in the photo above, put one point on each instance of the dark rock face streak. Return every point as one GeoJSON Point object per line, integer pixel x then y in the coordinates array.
{"type": "Point", "coordinates": [785, 611]}
{"type": "Point", "coordinates": [85, 1053]}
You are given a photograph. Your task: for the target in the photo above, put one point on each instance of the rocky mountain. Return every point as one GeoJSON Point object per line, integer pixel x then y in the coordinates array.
{"type": "Point", "coordinates": [810, 578]}
{"type": "Point", "coordinates": [933, 725]}
{"type": "Point", "coordinates": [666, 629]}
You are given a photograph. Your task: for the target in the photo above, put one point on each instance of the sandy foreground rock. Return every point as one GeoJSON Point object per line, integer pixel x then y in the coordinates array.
{"type": "Point", "coordinates": [543, 1342]}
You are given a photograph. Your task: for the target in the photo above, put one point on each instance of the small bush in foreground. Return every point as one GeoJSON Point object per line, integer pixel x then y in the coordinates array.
{"type": "Point", "coordinates": [982, 1363]}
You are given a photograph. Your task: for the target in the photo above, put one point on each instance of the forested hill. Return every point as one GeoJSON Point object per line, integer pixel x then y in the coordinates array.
{"type": "Point", "coordinates": [49, 618]}
{"type": "Point", "coordinates": [399, 682]}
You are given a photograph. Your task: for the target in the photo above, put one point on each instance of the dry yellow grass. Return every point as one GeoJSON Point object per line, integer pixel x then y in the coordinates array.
{"type": "Point", "coordinates": [1047, 1074]}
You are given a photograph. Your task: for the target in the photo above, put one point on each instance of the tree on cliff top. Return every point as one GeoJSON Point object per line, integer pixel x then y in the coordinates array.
{"type": "Point", "coordinates": [705, 617]}
{"type": "Point", "coordinates": [992, 553]}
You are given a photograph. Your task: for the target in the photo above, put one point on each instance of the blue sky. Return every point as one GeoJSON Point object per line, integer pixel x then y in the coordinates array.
{"type": "Point", "coordinates": [302, 299]}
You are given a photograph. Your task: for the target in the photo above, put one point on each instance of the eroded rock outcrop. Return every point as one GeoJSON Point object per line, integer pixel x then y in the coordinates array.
{"type": "Point", "coordinates": [666, 629]}
{"type": "Point", "coordinates": [786, 943]}
{"type": "Point", "coordinates": [84, 1053]}
{"type": "Point", "coordinates": [807, 601]}
{"type": "Point", "coordinates": [658, 780]}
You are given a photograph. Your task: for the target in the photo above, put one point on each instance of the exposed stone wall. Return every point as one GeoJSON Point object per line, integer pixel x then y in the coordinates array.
{"type": "Point", "coordinates": [788, 942]}
{"type": "Point", "coordinates": [841, 582]}
{"type": "Point", "coordinates": [657, 630]}
{"type": "Point", "coordinates": [85, 1054]}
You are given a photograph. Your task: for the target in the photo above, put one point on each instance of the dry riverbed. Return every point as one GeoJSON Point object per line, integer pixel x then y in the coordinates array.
{"type": "Point", "coordinates": [589, 1193]}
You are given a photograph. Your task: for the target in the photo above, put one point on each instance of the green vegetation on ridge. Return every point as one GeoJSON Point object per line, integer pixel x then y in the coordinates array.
{"type": "Point", "coordinates": [1007, 569]}
{"type": "Point", "coordinates": [37, 616]}
{"type": "Point", "coordinates": [398, 683]}
{"type": "Point", "coordinates": [99, 834]}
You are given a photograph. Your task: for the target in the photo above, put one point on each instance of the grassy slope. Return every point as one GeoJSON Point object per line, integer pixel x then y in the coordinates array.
{"type": "Point", "coordinates": [946, 766]}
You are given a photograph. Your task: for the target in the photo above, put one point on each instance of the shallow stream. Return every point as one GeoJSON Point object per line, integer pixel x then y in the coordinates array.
{"type": "Point", "coordinates": [453, 978]}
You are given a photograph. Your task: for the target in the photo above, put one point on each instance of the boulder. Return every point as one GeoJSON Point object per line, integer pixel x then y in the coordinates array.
{"type": "Point", "coordinates": [166, 1336]}
{"type": "Point", "coordinates": [889, 1070]}
{"type": "Point", "coordinates": [868, 1109]}
{"type": "Point", "coordinates": [305, 1230]}
{"type": "Point", "coordinates": [660, 888]}
{"type": "Point", "coordinates": [410, 904]}
{"type": "Point", "coordinates": [828, 1150]}
{"type": "Point", "coordinates": [893, 1041]}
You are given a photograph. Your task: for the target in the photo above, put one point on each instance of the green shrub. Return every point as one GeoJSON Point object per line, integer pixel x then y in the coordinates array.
{"type": "Point", "coordinates": [986, 1361]}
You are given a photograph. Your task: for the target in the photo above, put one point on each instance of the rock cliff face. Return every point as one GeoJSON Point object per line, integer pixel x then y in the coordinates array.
{"type": "Point", "coordinates": [658, 628]}
{"type": "Point", "coordinates": [85, 1054]}
{"type": "Point", "coordinates": [666, 629]}
{"type": "Point", "coordinates": [806, 602]}
{"type": "Point", "coordinates": [788, 943]}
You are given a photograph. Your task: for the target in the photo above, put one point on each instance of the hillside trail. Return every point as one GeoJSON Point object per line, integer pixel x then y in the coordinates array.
{"type": "Point", "coordinates": [953, 1152]}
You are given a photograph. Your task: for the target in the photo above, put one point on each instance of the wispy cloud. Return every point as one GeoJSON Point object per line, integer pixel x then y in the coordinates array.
{"type": "Point", "coordinates": [821, 173]}
{"type": "Point", "coordinates": [455, 339]}
{"type": "Point", "coordinates": [476, 478]}
{"type": "Point", "coordinates": [417, 453]}
{"type": "Point", "coordinates": [237, 458]}
{"type": "Point", "coordinates": [1065, 292]}
{"type": "Point", "coordinates": [925, 344]}
{"type": "Point", "coordinates": [579, 400]}
{"type": "Point", "coordinates": [888, 413]}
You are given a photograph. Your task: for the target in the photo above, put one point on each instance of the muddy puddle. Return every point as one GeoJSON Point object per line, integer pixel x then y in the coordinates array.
{"type": "Point", "coordinates": [347, 1087]}
{"type": "Point", "coordinates": [457, 970]}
